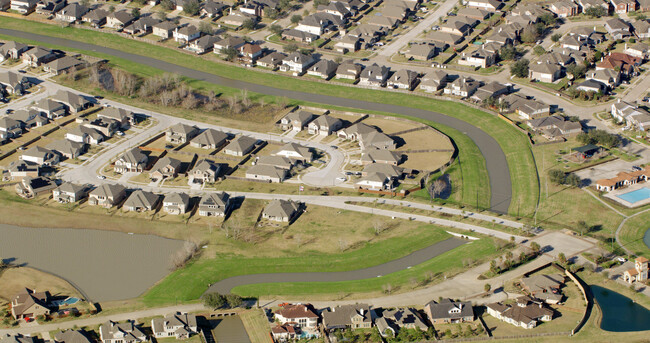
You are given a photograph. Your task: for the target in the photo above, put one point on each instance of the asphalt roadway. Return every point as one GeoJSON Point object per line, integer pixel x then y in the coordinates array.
{"type": "Point", "coordinates": [497, 166]}
{"type": "Point", "coordinates": [415, 258]}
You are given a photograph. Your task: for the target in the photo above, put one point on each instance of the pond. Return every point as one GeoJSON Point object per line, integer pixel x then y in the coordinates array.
{"type": "Point", "coordinates": [646, 238]}
{"type": "Point", "coordinates": [105, 265]}
{"type": "Point", "coordinates": [620, 313]}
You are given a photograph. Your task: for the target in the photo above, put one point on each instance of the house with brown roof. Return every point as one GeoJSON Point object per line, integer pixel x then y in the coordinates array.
{"type": "Point", "coordinates": [624, 6]}
{"type": "Point", "coordinates": [141, 201]}
{"type": "Point", "coordinates": [204, 171]}
{"type": "Point", "coordinates": [357, 316]}
{"type": "Point", "coordinates": [285, 332]}
{"type": "Point", "coordinates": [272, 60]}
{"type": "Point", "coordinates": [545, 72]}
{"type": "Point", "coordinates": [209, 139]}
{"type": "Point", "coordinates": [421, 52]}
{"type": "Point", "coordinates": [545, 287]}
{"type": "Point", "coordinates": [526, 313]}
{"type": "Point", "coordinates": [564, 8]}
{"type": "Point", "coordinates": [133, 160]}
{"type": "Point", "coordinates": [640, 271]}
{"type": "Point", "coordinates": [30, 304]}
{"type": "Point", "coordinates": [281, 210]}
{"type": "Point", "coordinates": [628, 65]}
{"type": "Point", "coordinates": [164, 29]}
{"type": "Point", "coordinates": [107, 195]}
{"type": "Point", "coordinates": [165, 168]}
{"type": "Point", "coordinates": [181, 133]}
{"type": "Point", "coordinates": [301, 315]}
{"type": "Point", "coordinates": [349, 70]}
{"type": "Point", "coordinates": [403, 79]}
{"type": "Point", "coordinates": [214, 204]}
{"type": "Point", "coordinates": [176, 204]}
{"type": "Point", "coordinates": [324, 125]}
{"type": "Point", "coordinates": [268, 173]}
{"type": "Point", "coordinates": [447, 311]}
{"type": "Point", "coordinates": [433, 81]}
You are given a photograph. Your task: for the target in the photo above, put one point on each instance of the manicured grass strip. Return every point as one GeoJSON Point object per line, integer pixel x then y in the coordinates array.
{"type": "Point", "coordinates": [631, 234]}
{"type": "Point", "coordinates": [190, 282]}
{"type": "Point", "coordinates": [449, 262]}
{"type": "Point", "coordinates": [525, 186]}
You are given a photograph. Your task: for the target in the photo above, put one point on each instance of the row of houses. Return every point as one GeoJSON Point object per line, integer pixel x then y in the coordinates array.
{"type": "Point", "coordinates": [35, 56]}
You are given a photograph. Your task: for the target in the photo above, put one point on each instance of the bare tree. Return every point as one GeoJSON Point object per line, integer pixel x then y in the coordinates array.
{"type": "Point", "coordinates": [379, 225]}
{"type": "Point", "coordinates": [245, 99]}
{"type": "Point", "coordinates": [186, 253]}
{"type": "Point", "coordinates": [343, 244]}
{"type": "Point", "coordinates": [388, 288]}
{"type": "Point", "coordinates": [437, 187]}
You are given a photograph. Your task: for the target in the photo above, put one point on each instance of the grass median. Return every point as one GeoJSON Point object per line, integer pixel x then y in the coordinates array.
{"type": "Point", "coordinates": [632, 234]}
{"type": "Point", "coordinates": [525, 188]}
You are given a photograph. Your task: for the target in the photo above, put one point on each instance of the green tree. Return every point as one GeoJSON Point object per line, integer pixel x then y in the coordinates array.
{"type": "Point", "coordinates": [191, 7]}
{"type": "Point", "coordinates": [562, 258]}
{"type": "Point", "coordinates": [548, 19]}
{"type": "Point", "coordinates": [577, 70]}
{"type": "Point", "coordinates": [296, 18]}
{"type": "Point", "coordinates": [494, 269]}
{"type": "Point", "coordinates": [290, 48]}
{"type": "Point", "coordinates": [573, 180]}
{"type": "Point", "coordinates": [276, 29]}
{"type": "Point", "coordinates": [111, 8]}
{"type": "Point", "coordinates": [206, 28]}
{"type": "Point", "coordinates": [234, 300]}
{"type": "Point", "coordinates": [596, 11]}
{"type": "Point", "coordinates": [539, 50]}
{"type": "Point", "coordinates": [557, 177]}
{"type": "Point", "coordinates": [535, 247]}
{"type": "Point", "coordinates": [583, 227]}
{"type": "Point", "coordinates": [168, 5]}
{"type": "Point", "coordinates": [530, 34]}
{"type": "Point", "coordinates": [508, 52]}
{"type": "Point", "coordinates": [135, 12]}
{"type": "Point", "coordinates": [556, 37]}
{"type": "Point", "coordinates": [520, 68]}
{"type": "Point", "coordinates": [229, 54]}
{"type": "Point", "coordinates": [214, 300]}
{"type": "Point", "coordinates": [272, 13]}
{"type": "Point", "coordinates": [487, 287]}
{"type": "Point", "coordinates": [248, 24]}
{"type": "Point", "coordinates": [161, 14]}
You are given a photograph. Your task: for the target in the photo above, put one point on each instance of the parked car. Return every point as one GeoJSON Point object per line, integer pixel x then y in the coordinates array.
{"type": "Point", "coordinates": [101, 177]}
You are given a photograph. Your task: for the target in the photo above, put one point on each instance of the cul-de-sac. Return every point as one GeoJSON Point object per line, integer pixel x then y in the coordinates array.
{"type": "Point", "coordinates": [332, 171]}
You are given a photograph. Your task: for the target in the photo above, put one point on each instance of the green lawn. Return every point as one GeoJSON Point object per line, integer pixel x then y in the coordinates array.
{"type": "Point", "coordinates": [447, 263]}
{"type": "Point", "coordinates": [525, 188]}
{"type": "Point", "coordinates": [631, 234]}
{"type": "Point", "coordinates": [190, 282]}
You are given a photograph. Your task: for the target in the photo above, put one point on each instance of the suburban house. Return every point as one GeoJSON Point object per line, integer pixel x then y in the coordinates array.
{"type": "Point", "coordinates": [421, 52]}
{"type": "Point", "coordinates": [525, 107]}
{"type": "Point", "coordinates": [228, 43]}
{"type": "Point", "coordinates": [133, 160]}
{"type": "Point", "coordinates": [324, 69]}
{"type": "Point", "coordinates": [628, 65]}
{"type": "Point", "coordinates": [107, 195]}
{"type": "Point", "coordinates": [475, 13]}
{"type": "Point", "coordinates": [403, 79]}
{"type": "Point", "coordinates": [179, 325]}
{"type": "Point", "coordinates": [251, 52]}
{"type": "Point", "coordinates": [491, 90]}
{"type": "Point", "coordinates": [632, 115]}
{"type": "Point", "coordinates": [29, 118]}
{"type": "Point", "coordinates": [401, 318]}
{"type": "Point", "coordinates": [186, 34]}
{"type": "Point", "coordinates": [69, 193]}
{"type": "Point", "coordinates": [553, 127]}
{"type": "Point", "coordinates": [37, 56]}
{"type": "Point", "coordinates": [165, 168]}
{"type": "Point", "coordinates": [623, 179]}
{"type": "Point", "coordinates": [10, 128]}
{"type": "Point", "coordinates": [319, 23]}
{"type": "Point", "coordinates": [280, 210]}
{"type": "Point", "coordinates": [358, 316]}
{"type": "Point", "coordinates": [299, 36]}
{"type": "Point", "coordinates": [609, 77]}
{"type": "Point", "coordinates": [640, 271]}
{"type": "Point", "coordinates": [84, 134]}
{"type": "Point", "coordinates": [14, 83]}
{"type": "Point", "coordinates": [545, 72]}
{"type": "Point", "coordinates": [478, 58]}
{"type": "Point", "coordinates": [348, 43]}
{"type": "Point", "coordinates": [141, 201]}
{"type": "Point", "coordinates": [123, 117]}
{"type": "Point", "coordinates": [642, 29]}
{"type": "Point", "coordinates": [456, 26]}
{"type": "Point", "coordinates": [180, 133]}
{"type": "Point", "coordinates": [463, 87]}
{"type": "Point", "coordinates": [349, 70]}
{"type": "Point", "coordinates": [72, 13]}
{"type": "Point", "coordinates": [434, 81]}
{"type": "Point", "coordinates": [30, 187]}
{"type": "Point", "coordinates": [40, 156]}
{"type": "Point", "coordinates": [213, 9]}
{"type": "Point", "coordinates": [301, 315]}
{"type": "Point", "coordinates": [638, 50]}
{"type": "Point", "coordinates": [447, 311]}
{"type": "Point", "coordinates": [267, 173]}
{"type": "Point", "coordinates": [214, 205]}
{"type": "Point", "coordinates": [21, 169]}
{"type": "Point", "coordinates": [23, 6]}
{"type": "Point", "coordinates": [204, 171]}
{"type": "Point", "coordinates": [525, 314]}
{"type": "Point", "coordinates": [240, 146]}
{"type": "Point", "coordinates": [324, 125]}
{"type": "Point", "coordinates": [381, 156]}
{"type": "Point", "coordinates": [113, 332]}
{"type": "Point", "coordinates": [592, 86]}
{"type": "Point", "coordinates": [119, 19]}
{"type": "Point", "coordinates": [285, 333]}
{"type": "Point", "coordinates": [375, 181]}
{"type": "Point", "coordinates": [624, 6]}
{"type": "Point", "coordinates": [297, 62]}
{"type": "Point", "coordinates": [488, 5]}
{"type": "Point", "coordinates": [62, 65]}
{"type": "Point", "coordinates": [30, 304]}
{"type": "Point", "coordinates": [74, 102]}
{"type": "Point", "coordinates": [544, 287]}
{"type": "Point", "coordinates": [96, 18]}
{"type": "Point", "coordinates": [12, 50]}
{"type": "Point", "coordinates": [67, 148]}
{"type": "Point", "coordinates": [141, 26]}
{"type": "Point", "coordinates": [296, 120]}
{"type": "Point", "coordinates": [374, 75]}
{"type": "Point", "coordinates": [295, 152]}
{"type": "Point", "coordinates": [209, 139]}
{"type": "Point", "coordinates": [618, 28]}
{"type": "Point", "coordinates": [564, 8]}
{"type": "Point", "coordinates": [72, 336]}
{"type": "Point", "coordinates": [164, 29]}
{"type": "Point", "coordinates": [273, 60]}
{"type": "Point", "coordinates": [50, 7]}
{"type": "Point", "coordinates": [175, 203]}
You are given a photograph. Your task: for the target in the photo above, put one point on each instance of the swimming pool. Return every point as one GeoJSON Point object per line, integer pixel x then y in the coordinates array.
{"type": "Point", "coordinates": [67, 301]}
{"type": "Point", "coordinates": [635, 196]}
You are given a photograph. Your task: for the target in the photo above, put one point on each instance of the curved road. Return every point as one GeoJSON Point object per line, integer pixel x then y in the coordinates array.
{"type": "Point", "coordinates": [497, 166]}
{"type": "Point", "coordinates": [415, 258]}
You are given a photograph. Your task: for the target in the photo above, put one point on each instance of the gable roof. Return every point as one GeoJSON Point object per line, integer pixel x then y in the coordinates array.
{"type": "Point", "coordinates": [281, 208]}
{"type": "Point", "coordinates": [142, 198]}
{"type": "Point", "coordinates": [241, 143]}
{"type": "Point", "coordinates": [210, 137]}
{"type": "Point", "coordinates": [108, 190]}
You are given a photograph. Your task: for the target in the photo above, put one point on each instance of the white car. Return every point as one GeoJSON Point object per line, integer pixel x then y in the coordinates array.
{"type": "Point", "coordinates": [342, 179]}
{"type": "Point", "coordinates": [119, 133]}
{"type": "Point", "coordinates": [101, 177]}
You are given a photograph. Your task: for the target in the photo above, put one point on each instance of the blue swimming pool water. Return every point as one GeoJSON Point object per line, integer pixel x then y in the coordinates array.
{"type": "Point", "coordinates": [68, 301]}
{"type": "Point", "coordinates": [635, 196]}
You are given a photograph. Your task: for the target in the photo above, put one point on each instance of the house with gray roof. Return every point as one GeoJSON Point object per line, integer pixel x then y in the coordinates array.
{"type": "Point", "coordinates": [62, 65]}
{"type": "Point", "coordinates": [349, 70]}
{"type": "Point", "coordinates": [448, 312]}
{"type": "Point", "coordinates": [383, 21]}
{"type": "Point", "coordinates": [400, 318]}
{"type": "Point", "coordinates": [295, 152]}
{"type": "Point", "coordinates": [96, 17]}
{"type": "Point", "coordinates": [186, 34]}
{"type": "Point", "coordinates": [281, 210]}
{"type": "Point", "coordinates": [141, 201]}
{"type": "Point", "coordinates": [178, 325]}
{"type": "Point", "coordinates": [526, 313]}
{"type": "Point", "coordinates": [204, 171]}
{"type": "Point", "coordinates": [324, 125]}
{"type": "Point", "coordinates": [40, 156]}
{"type": "Point", "coordinates": [72, 336]}
{"type": "Point", "coordinates": [128, 332]}
{"type": "Point", "coordinates": [376, 181]}
{"type": "Point", "coordinates": [18, 338]}
{"type": "Point", "coordinates": [381, 156]}
{"type": "Point", "coordinates": [474, 13]}
{"type": "Point", "coordinates": [72, 13]}
{"type": "Point", "coordinates": [133, 160]}
{"type": "Point", "coordinates": [214, 204]}
{"type": "Point", "coordinates": [265, 172]}
{"type": "Point", "coordinates": [434, 81]}
{"type": "Point", "coordinates": [209, 139]}
{"type": "Point", "coordinates": [69, 192]}
{"type": "Point", "coordinates": [12, 49]}
{"type": "Point", "coordinates": [296, 120]}
{"type": "Point", "coordinates": [176, 203]}
{"type": "Point", "coordinates": [324, 69]}
{"type": "Point", "coordinates": [164, 29]}
{"type": "Point", "coordinates": [107, 195]}
{"type": "Point", "coordinates": [445, 37]}
{"type": "Point", "coordinates": [37, 56]}
{"type": "Point", "coordinates": [180, 133]}
{"type": "Point", "coordinates": [272, 60]}
{"type": "Point", "coordinates": [119, 19]}
{"type": "Point", "coordinates": [421, 52]}
{"type": "Point", "coordinates": [30, 187]}
{"type": "Point", "coordinates": [275, 161]}
{"type": "Point", "coordinates": [403, 79]}
{"type": "Point", "coordinates": [142, 26]}
{"type": "Point", "coordinates": [299, 36]}
{"type": "Point", "coordinates": [29, 118]}
{"type": "Point", "coordinates": [545, 72]}
{"type": "Point", "coordinates": [120, 115]}
{"type": "Point", "coordinates": [14, 83]}
{"type": "Point", "coordinates": [347, 43]}
{"type": "Point", "coordinates": [67, 148]}
{"type": "Point", "coordinates": [544, 287]}
{"type": "Point", "coordinates": [376, 140]}
{"type": "Point", "coordinates": [297, 62]}
{"type": "Point", "coordinates": [240, 146]}
{"type": "Point", "coordinates": [50, 7]}
{"type": "Point", "coordinates": [374, 75]}
{"type": "Point", "coordinates": [74, 102]}
{"type": "Point", "coordinates": [165, 168]}
{"type": "Point", "coordinates": [10, 128]}
{"type": "Point", "coordinates": [357, 316]}
{"type": "Point", "coordinates": [463, 87]}
{"type": "Point", "coordinates": [387, 169]}
{"type": "Point", "coordinates": [85, 134]}
{"type": "Point", "coordinates": [21, 169]}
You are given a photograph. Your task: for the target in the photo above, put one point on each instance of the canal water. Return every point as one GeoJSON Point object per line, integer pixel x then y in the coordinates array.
{"type": "Point", "coordinates": [620, 313]}
{"type": "Point", "coordinates": [646, 238]}
{"type": "Point", "coordinates": [105, 265]}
